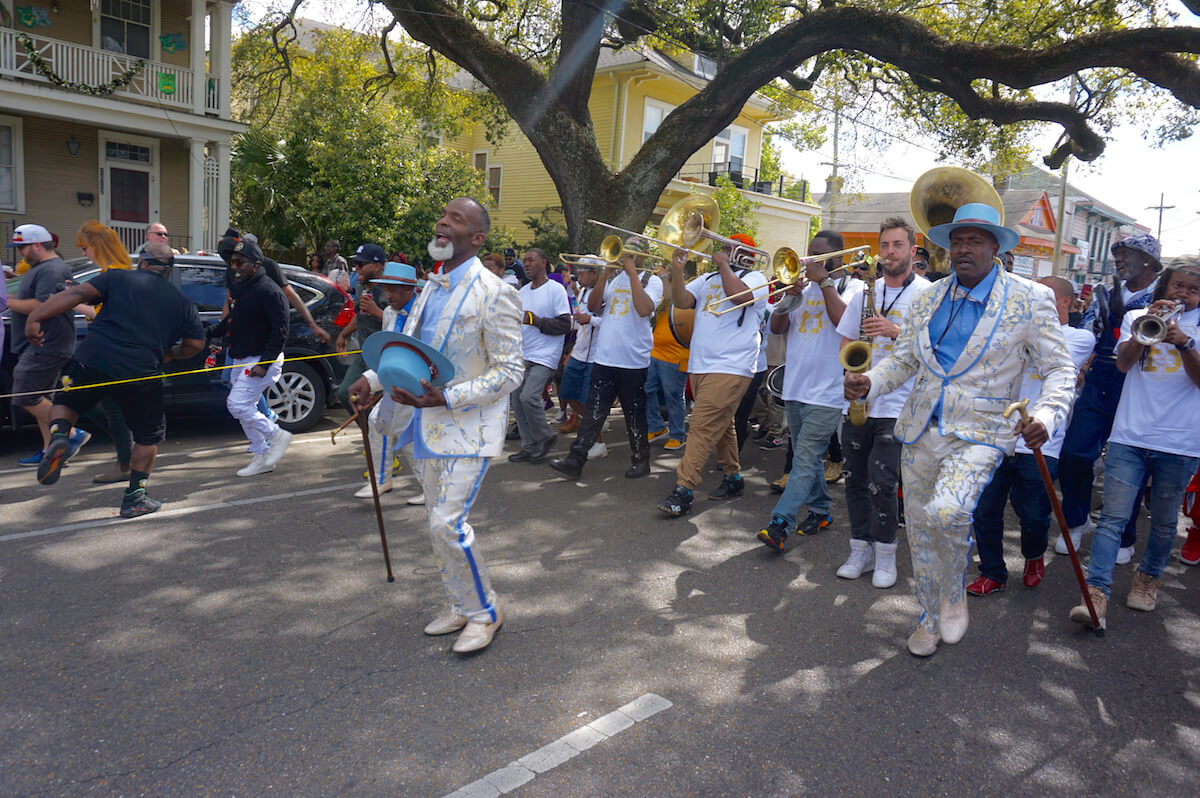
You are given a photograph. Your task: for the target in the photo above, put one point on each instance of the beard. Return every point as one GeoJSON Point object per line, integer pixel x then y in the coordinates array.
{"type": "Point", "coordinates": [443, 252]}
{"type": "Point", "coordinates": [894, 268]}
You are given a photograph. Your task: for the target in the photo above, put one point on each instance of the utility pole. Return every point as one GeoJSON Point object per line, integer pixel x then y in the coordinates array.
{"type": "Point", "coordinates": [1160, 208]}
{"type": "Point", "coordinates": [835, 188]}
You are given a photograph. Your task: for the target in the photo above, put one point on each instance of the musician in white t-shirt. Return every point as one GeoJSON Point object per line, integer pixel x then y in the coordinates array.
{"type": "Point", "coordinates": [722, 358]}
{"type": "Point", "coordinates": [812, 389]}
{"type": "Point", "coordinates": [545, 322]}
{"type": "Point", "coordinates": [1154, 432]}
{"type": "Point", "coordinates": [872, 452]}
{"type": "Point", "coordinates": [577, 372]}
{"type": "Point", "coordinates": [1018, 478]}
{"type": "Point", "coordinates": [622, 356]}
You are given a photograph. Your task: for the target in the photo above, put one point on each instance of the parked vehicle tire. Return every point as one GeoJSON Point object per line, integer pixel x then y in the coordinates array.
{"type": "Point", "coordinates": [298, 397]}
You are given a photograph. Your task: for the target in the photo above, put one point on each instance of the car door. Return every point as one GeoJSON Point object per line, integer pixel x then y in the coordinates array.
{"type": "Point", "coordinates": [204, 284]}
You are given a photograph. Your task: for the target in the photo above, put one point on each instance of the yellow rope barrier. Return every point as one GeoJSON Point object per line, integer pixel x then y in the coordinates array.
{"type": "Point", "coordinates": [68, 387]}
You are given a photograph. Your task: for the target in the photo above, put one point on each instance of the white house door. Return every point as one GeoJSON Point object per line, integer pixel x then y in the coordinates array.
{"type": "Point", "coordinates": [128, 186]}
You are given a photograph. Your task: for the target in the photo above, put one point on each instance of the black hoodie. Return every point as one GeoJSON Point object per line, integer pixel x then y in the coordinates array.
{"type": "Point", "coordinates": [257, 320]}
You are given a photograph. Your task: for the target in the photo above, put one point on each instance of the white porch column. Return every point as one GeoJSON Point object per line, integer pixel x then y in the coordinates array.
{"type": "Point", "coordinates": [221, 212]}
{"type": "Point", "coordinates": [221, 35]}
{"type": "Point", "coordinates": [196, 193]}
{"type": "Point", "coordinates": [196, 48]}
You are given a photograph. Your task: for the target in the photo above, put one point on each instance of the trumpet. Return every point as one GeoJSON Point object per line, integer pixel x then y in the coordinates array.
{"type": "Point", "coordinates": [789, 270]}
{"type": "Point", "coordinates": [612, 243]}
{"type": "Point", "coordinates": [1152, 327]}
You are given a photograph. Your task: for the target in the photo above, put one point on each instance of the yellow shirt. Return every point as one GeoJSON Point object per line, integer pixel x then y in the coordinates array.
{"type": "Point", "coordinates": [666, 348]}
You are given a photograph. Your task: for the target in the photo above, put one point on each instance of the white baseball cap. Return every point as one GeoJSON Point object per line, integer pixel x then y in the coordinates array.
{"type": "Point", "coordinates": [31, 234]}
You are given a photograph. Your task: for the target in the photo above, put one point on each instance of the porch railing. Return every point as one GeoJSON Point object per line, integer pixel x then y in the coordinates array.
{"type": "Point", "coordinates": [156, 82]}
{"type": "Point", "coordinates": [747, 179]}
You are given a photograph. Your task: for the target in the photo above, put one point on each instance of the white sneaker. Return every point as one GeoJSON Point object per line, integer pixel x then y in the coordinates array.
{"type": "Point", "coordinates": [885, 565]}
{"type": "Point", "coordinates": [861, 560]}
{"type": "Point", "coordinates": [365, 491]}
{"type": "Point", "coordinates": [279, 443]}
{"type": "Point", "coordinates": [1077, 533]}
{"type": "Point", "coordinates": [259, 465]}
{"type": "Point", "coordinates": [417, 500]}
{"type": "Point", "coordinates": [1124, 555]}
{"type": "Point", "coordinates": [597, 451]}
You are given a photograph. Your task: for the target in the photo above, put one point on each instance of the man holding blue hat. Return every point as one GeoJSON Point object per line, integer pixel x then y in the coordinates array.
{"type": "Point", "coordinates": [967, 339]}
{"type": "Point", "coordinates": [447, 378]}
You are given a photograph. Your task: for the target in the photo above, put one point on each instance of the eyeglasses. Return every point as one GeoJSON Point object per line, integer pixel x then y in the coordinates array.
{"type": "Point", "coordinates": [157, 233]}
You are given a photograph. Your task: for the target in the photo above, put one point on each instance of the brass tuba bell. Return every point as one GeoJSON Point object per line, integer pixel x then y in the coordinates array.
{"type": "Point", "coordinates": [941, 191]}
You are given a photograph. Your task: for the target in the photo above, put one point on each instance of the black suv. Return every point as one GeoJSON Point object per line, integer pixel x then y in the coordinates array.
{"type": "Point", "coordinates": [307, 387]}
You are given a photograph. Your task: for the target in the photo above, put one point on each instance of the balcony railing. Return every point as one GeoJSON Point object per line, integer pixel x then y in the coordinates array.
{"type": "Point", "coordinates": [746, 179]}
{"type": "Point", "coordinates": [157, 83]}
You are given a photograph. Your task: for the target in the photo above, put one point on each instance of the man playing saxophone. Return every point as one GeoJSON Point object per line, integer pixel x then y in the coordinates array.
{"type": "Point", "coordinates": [871, 450]}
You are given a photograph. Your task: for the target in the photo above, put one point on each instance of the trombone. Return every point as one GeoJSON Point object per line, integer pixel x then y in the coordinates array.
{"type": "Point", "coordinates": [612, 244]}
{"type": "Point", "coordinates": [787, 264]}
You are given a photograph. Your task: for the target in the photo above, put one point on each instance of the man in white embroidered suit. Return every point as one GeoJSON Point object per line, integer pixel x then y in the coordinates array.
{"type": "Point", "coordinates": [474, 319]}
{"type": "Point", "coordinates": [968, 339]}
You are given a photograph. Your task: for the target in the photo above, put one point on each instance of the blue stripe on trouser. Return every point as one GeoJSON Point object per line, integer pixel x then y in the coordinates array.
{"type": "Point", "coordinates": [451, 485]}
{"type": "Point", "coordinates": [943, 478]}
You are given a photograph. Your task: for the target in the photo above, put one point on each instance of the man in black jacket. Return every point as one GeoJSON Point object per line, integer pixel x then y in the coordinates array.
{"type": "Point", "coordinates": [257, 325]}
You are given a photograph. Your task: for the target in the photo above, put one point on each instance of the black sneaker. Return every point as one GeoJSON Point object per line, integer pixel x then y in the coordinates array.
{"type": "Point", "coordinates": [138, 503]}
{"type": "Point", "coordinates": [775, 535]}
{"type": "Point", "coordinates": [771, 444]}
{"type": "Point", "coordinates": [53, 459]}
{"type": "Point", "coordinates": [639, 469]}
{"type": "Point", "coordinates": [815, 523]}
{"type": "Point", "coordinates": [730, 487]}
{"type": "Point", "coordinates": [678, 502]}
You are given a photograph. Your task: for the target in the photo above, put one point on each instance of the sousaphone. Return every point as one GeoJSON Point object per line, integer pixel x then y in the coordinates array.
{"type": "Point", "coordinates": [941, 191]}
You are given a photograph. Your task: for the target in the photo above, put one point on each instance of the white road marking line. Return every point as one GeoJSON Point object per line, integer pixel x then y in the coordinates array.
{"type": "Point", "coordinates": [174, 511]}
{"type": "Point", "coordinates": [526, 769]}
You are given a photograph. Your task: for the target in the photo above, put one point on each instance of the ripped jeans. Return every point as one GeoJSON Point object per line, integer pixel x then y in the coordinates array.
{"type": "Point", "coordinates": [872, 456]}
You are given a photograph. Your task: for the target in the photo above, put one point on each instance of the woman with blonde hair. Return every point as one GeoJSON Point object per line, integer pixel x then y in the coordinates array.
{"type": "Point", "coordinates": [101, 244]}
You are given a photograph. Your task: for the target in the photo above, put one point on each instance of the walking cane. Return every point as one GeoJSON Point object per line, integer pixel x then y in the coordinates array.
{"type": "Point", "coordinates": [1048, 481]}
{"type": "Point", "coordinates": [362, 424]}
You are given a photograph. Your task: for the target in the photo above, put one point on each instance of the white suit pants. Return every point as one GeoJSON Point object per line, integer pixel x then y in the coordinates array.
{"type": "Point", "coordinates": [943, 479]}
{"type": "Point", "coordinates": [451, 485]}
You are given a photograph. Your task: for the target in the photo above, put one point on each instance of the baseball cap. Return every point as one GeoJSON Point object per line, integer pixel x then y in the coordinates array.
{"type": "Point", "coordinates": [31, 234]}
{"type": "Point", "coordinates": [589, 262]}
{"type": "Point", "coordinates": [370, 253]}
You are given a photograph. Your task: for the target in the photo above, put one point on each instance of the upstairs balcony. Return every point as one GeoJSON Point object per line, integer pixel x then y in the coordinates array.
{"type": "Point", "coordinates": [748, 179]}
{"type": "Point", "coordinates": [154, 83]}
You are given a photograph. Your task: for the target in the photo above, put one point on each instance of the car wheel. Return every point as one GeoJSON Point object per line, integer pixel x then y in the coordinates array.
{"type": "Point", "coordinates": [298, 397]}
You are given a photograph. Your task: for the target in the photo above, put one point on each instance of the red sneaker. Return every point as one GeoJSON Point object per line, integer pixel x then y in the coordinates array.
{"type": "Point", "coordinates": [1190, 553]}
{"type": "Point", "coordinates": [984, 586]}
{"type": "Point", "coordinates": [1034, 571]}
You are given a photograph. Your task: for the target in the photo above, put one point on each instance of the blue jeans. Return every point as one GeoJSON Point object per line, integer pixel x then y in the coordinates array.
{"type": "Point", "coordinates": [811, 426]}
{"type": "Point", "coordinates": [1017, 479]}
{"type": "Point", "coordinates": [667, 378]}
{"type": "Point", "coordinates": [1125, 470]}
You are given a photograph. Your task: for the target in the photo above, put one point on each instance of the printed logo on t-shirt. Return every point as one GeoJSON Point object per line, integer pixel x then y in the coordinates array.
{"type": "Point", "coordinates": [812, 318]}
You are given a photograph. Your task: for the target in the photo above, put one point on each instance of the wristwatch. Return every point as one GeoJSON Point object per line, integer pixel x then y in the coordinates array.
{"type": "Point", "coordinates": [826, 283]}
{"type": "Point", "coordinates": [1189, 346]}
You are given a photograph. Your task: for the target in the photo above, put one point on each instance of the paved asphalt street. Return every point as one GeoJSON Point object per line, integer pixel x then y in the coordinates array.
{"type": "Point", "coordinates": [243, 641]}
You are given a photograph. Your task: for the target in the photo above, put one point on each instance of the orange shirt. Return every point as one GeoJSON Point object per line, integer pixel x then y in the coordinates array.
{"type": "Point", "coordinates": [666, 348]}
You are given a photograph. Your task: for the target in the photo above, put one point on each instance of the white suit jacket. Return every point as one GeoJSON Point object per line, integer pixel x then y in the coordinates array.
{"type": "Point", "coordinates": [1019, 327]}
{"type": "Point", "coordinates": [479, 331]}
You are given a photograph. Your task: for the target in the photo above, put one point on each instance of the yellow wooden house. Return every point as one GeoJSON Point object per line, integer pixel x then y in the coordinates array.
{"type": "Point", "coordinates": [633, 90]}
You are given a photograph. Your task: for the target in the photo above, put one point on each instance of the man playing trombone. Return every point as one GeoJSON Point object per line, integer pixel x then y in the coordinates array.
{"type": "Point", "coordinates": [721, 361]}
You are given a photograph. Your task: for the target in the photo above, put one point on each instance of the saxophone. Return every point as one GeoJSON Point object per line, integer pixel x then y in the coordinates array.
{"type": "Point", "coordinates": [855, 356]}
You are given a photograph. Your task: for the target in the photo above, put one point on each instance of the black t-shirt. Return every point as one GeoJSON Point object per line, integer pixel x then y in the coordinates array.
{"type": "Point", "coordinates": [41, 282]}
{"type": "Point", "coordinates": [142, 317]}
{"type": "Point", "coordinates": [368, 324]}
{"type": "Point", "coordinates": [269, 266]}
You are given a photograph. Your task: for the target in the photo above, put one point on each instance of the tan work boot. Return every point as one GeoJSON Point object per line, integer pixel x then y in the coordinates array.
{"type": "Point", "coordinates": [1144, 593]}
{"type": "Point", "coordinates": [779, 485]}
{"type": "Point", "coordinates": [1080, 614]}
{"type": "Point", "coordinates": [833, 472]}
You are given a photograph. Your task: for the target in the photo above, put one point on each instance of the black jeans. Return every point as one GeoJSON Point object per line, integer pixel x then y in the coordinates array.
{"type": "Point", "coordinates": [873, 460]}
{"type": "Point", "coordinates": [741, 419]}
{"type": "Point", "coordinates": [1018, 480]}
{"type": "Point", "coordinates": [608, 383]}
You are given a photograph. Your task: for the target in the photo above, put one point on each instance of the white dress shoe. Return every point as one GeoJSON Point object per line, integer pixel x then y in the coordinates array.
{"type": "Point", "coordinates": [279, 443]}
{"type": "Point", "coordinates": [923, 643]}
{"type": "Point", "coordinates": [450, 622]}
{"type": "Point", "coordinates": [417, 500]}
{"type": "Point", "coordinates": [478, 635]}
{"type": "Point", "coordinates": [259, 465]}
{"type": "Point", "coordinates": [952, 621]}
{"type": "Point", "coordinates": [365, 491]}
